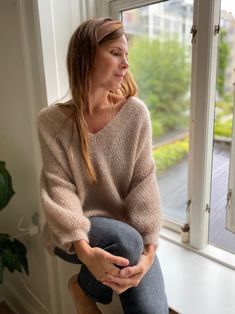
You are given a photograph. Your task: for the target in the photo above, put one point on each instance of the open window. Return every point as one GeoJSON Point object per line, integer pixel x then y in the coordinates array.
{"type": "Point", "coordinates": [160, 59]}
{"type": "Point", "coordinates": [173, 48]}
{"type": "Point", "coordinates": [222, 208]}
{"type": "Point", "coordinates": [231, 186]}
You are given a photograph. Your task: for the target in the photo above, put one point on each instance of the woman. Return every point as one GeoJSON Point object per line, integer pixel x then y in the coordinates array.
{"type": "Point", "coordinates": [98, 185]}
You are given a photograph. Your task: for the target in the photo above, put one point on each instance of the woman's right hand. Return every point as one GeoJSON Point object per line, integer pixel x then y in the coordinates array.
{"type": "Point", "coordinates": [99, 262]}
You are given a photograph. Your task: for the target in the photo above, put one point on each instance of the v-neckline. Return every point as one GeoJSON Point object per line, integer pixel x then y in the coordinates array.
{"type": "Point", "coordinates": [108, 125]}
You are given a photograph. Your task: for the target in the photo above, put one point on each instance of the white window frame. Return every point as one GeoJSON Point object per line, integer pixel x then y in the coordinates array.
{"type": "Point", "coordinates": [230, 218]}
{"type": "Point", "coordinates": [204, 58]}
{"type": "Point", "coordinates": [204, 62]}
{"type": "Point", "coordinates": [117, 6]}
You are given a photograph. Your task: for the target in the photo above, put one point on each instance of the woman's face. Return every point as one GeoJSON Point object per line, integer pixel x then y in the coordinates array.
{"type": "Point", "coordinates": [110, 64]}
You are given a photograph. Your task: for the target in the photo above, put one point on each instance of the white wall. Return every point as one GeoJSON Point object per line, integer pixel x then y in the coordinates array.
{"type": "Point", "coordinates": [58, 20]}
{"type": "Point", "coordinates": [34, 38]}
{"type": "Point", "coordinates": [21, 98]}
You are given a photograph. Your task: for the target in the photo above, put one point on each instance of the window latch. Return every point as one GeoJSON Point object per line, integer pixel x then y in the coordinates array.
{"type": "Point", "coordinates": [229, 197]}
{"type": "Point", "coordinates": [208, 209]}
{"type": "Point", "coordinates": [217, 29]}
{"type": "Point", "coordinates": [188, 203]}
{"type": "Point", "coordinates": [193, 32]}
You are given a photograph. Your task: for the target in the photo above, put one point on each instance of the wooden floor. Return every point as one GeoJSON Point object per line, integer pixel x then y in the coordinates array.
{"type": "Point", "coordinates": [173, 188]}
{"type": "Point", "coordinates": [4, 309]}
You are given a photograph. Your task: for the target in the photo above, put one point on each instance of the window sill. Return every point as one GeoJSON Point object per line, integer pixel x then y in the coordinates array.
{"type": "Point", "coordinates": [195, 283]}
{"type": "Point", "coordinates": [216, 254]}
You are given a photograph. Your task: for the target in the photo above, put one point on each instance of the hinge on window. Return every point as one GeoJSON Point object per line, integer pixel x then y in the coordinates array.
{"type": "Point", "coordinates": [229, 197]}
{"type": "Point", "coordinates": [193, 32]}
{"type": "Point", "coordinates": [217, 29]}
{"type": "Point", "coordinates": [188, 203]}
{"type": "Point", "coordinates": [208, 209]}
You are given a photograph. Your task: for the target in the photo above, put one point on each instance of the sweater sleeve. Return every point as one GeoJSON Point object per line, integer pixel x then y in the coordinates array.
{"type": "Point", "coordinates": [65, 221]}
{"type": "Point", "coordinates": [143, 200]}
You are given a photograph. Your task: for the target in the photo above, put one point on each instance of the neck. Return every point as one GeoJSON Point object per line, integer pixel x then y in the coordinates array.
{"type": "Point", "coordinates": [99, 99]}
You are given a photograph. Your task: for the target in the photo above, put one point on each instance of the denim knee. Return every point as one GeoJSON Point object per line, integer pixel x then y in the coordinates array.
{"type": "Point", "coordinates": [128, 243]}
{"type": "Point", "coordinates": [117, 238]}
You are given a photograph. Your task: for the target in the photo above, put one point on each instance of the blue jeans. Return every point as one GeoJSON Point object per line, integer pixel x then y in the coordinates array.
{"type": "Point", "coordinates": [120, 239]}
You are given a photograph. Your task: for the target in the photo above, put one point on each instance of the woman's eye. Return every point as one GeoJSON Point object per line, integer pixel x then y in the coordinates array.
{"type": "Point", "coordinates": [115, 53]}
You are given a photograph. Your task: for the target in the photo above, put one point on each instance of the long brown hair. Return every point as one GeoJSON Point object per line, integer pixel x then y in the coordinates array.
{"type": "Point", "coordinates": [80, 63]}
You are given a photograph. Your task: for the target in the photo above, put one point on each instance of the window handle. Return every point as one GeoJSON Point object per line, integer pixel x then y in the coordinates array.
{"type": "Point", "coordinates": [194, 33]}
{"type": "Point", "coordinates": [229, 197]}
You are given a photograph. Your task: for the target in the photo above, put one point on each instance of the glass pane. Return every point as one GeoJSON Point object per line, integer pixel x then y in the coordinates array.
{"type": "Point", "coordinates": [160, 60]}
{"type": "Point", "coordinates": [218, 235]}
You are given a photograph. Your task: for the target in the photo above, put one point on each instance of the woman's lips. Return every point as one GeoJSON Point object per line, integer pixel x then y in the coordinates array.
{"type": "Point", "coordinates": [119, 76]}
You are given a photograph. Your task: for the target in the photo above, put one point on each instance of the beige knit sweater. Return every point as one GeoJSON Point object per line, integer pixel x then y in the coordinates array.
{"type": "Point", "coordinates": [127, 189]}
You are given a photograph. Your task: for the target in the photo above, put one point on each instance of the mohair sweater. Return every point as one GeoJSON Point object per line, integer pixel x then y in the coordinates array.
{"type": "Point", "coordinates": [126, 188]}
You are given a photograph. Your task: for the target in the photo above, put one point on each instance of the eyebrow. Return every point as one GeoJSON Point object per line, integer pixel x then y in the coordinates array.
{"type": "Point", "coordinates": [115, 47]}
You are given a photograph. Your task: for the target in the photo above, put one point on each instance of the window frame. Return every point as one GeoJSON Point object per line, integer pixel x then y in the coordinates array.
{"type": "Point", "coordinates": [203, 87]}
{"type": "Point", "coordinates": [117, 6]}
{"type": "Point", "coordinates": [203, 82]}
{"type": "Point", "coordinates": [230, 214]}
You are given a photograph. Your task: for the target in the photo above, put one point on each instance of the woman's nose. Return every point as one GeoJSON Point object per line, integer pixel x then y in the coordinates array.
{"type": "Point", "coordinates": [125, 63]}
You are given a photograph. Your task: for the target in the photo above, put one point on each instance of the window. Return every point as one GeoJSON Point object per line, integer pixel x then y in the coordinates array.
{"type": "Point", "coordinates": [222, 198]}
{"type": "Point", "coordinates": [230, 193]}
{"type": "Point", "coordinates": [161, 63]}
{"type": "Point", "coordinates": [196, 109]}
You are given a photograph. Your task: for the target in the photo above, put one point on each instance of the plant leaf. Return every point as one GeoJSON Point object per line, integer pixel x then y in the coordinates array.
{"type": "Point", "coordinates": [6, 189]}
{"type": "Point", "coordinates": [11, 261]}
{"type": "Point", "coordinates": [21, 251]}
{"type": "Point", "coordinates": [1, 270]}
{"type": "Point", "coordinates": [3, 240]}
{"type": "Point", "coordinates": [13, 254]}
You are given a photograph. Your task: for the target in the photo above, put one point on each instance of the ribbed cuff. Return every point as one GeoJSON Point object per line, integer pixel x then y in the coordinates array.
{"type": "Point", "coordinates": [68, 244]}
{"type": "Point", "coordinates": [151, 238]}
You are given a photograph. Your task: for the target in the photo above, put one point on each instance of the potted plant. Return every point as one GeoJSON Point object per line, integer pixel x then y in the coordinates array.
{"type": "Point", "coordinates": [12, 251]}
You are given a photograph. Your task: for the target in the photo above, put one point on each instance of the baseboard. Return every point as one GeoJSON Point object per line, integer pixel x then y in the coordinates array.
{"type": "Point", "coordinates": [20, 304]}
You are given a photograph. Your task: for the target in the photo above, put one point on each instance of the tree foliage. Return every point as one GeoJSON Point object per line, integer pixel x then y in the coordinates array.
{"type": "Point", "coordinates": [161, 69]}
{"type": "Point", "coordinates": [223, 56]}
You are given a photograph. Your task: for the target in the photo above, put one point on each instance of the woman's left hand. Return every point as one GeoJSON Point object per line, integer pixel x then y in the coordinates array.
{"type": "Point", "coordinates": [131, 276]}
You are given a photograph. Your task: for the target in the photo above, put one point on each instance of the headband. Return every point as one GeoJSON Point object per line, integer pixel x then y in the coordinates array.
{"type": "Point", "coordinates": [107, 28]}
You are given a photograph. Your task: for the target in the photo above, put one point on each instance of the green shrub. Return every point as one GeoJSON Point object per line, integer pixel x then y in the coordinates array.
{"type": "Point", "coordinates": [226, 107]}
{"type": "Point", "coordinates": [157, 127]}
{"type": "Point", "coordinates": [168, 155]}
{"type": "Point", "coordinates": [223, 128]}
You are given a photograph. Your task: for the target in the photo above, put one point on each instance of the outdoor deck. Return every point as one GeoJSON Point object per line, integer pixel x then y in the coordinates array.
{"type": "Point", "coordinates": [174, 196]}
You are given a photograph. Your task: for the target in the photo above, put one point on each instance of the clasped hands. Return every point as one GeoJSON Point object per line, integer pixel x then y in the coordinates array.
{"type": "Point", "coordinates": [103, 266]}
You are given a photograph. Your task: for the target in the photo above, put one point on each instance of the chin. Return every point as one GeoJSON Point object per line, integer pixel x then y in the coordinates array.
{"type": "Point", "coordinates": [117, 86]}
{"type": "Point", "coordinates": [113, 86]}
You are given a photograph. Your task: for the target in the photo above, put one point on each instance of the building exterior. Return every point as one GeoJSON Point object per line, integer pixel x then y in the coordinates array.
{"type": "Point", "coordinates": [173, 20]}
{"type": "Point", "coordinates": [167, 20]}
